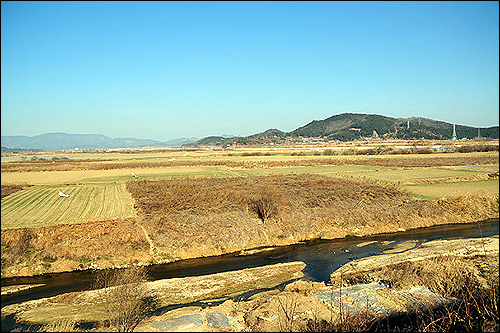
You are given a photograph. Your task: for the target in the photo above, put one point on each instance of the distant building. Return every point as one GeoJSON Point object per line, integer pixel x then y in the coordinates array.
{"type": "Point", "coordinates": [454, 136]}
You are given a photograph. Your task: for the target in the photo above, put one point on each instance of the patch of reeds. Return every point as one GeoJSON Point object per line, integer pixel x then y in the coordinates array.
{"type": "Point", "coordinates": [67, 325]}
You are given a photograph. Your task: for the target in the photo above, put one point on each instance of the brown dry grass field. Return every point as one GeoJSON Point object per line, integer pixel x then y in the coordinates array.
{"type": "Point", "coordinates": [207, 202]}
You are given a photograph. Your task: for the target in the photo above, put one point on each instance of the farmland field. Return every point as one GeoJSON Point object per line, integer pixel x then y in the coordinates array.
{"type": "Point", "coordinates": [396, 175]}
{"type": "Point", "coordinates": [96, 182]}
{"type": "Point", "coordinates": [435, 191]}
{"type": "Point", "coordinates": [41, 205]}
{"type": "Point", "coordinates": [122, 175]}
{"type": "Point", "coordinates": [113, 218]}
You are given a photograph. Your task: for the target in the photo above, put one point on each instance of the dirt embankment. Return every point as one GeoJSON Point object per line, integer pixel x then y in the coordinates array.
{"type": "Point", "coordinates": [187, 218]}
{"type": "Point", "coordinates": [31, 251]}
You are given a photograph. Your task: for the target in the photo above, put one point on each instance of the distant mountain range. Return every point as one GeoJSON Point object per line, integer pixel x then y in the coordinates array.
{"type": "Point", "coordinates": [342, 127]}
{"type": "Point", "coordinates": [64, 141]}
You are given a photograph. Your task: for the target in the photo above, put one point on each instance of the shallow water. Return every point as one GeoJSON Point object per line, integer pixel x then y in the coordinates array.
{"type": "Point", "coordinates": [322, 257]}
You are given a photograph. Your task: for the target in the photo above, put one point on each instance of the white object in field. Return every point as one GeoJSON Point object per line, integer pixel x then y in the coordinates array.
{"type": "Point", "coordinates": [63, 195]}
{"type": "Point", "coordinates": [134, 175]}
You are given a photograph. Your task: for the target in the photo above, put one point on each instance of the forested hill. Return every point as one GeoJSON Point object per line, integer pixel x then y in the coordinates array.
{"type": "Point", "coordinates": [352, 126]}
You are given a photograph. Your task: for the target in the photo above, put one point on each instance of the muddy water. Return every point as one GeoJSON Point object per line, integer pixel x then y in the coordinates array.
{"type": "Point", "coordinates": [321, 256]}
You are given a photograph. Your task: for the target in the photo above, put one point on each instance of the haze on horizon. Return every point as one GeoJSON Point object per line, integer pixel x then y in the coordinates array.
{"type": "Point", "coordinates": [164, 70]}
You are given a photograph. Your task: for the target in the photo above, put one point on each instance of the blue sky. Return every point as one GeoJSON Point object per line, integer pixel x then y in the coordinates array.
{"type": "Point", "coordinates": [164, 70]}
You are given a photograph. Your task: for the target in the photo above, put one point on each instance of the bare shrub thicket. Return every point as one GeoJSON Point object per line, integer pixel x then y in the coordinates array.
{"type": "Point", "coordinates": [265, 204]}
{"type": "Point", "coordinates": [124, 297]}
{"type": "Point", "coordinates": [207, 195]}
{"type": "Point", "coordinates": [16, 245]}
{"type": "Point", "coordinates": [473, 148]}
{"type": "Point", "coordinates": [287, 311]}
{"type": "Point", "coordinates": [8, 189]}
{"type": "Point", "coordinates": [175, 212]}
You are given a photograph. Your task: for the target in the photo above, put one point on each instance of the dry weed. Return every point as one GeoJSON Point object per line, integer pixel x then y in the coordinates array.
{"type": "Point", "coordinates": [471, 282]}
{"type": "Point", "coordinates": [62, 326]}
{"type": "Point", "coordinates": [124, 297]}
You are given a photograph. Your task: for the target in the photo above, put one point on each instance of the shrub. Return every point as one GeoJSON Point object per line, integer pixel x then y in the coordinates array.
{"type": "Point", "coordinates": [328, 152]}
{"type": "Point", "coordinates": [478, 148]}
{"type": "Point", "coordinates": [424, 151]}
{"type": "Point", "coordinates": [125, 298]}
{"type": "Point", "coordinates": [265, 205]}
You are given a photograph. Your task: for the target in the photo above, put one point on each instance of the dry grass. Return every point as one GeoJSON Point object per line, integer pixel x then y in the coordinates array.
{"type": "Point", "coordinates": [485, 188]}
{"type": "Point", "coordinates": [257, 162]}
{"type": "Point", "coordinates": [209, 216]}
{"type": "Point", "coordinates": [66, 325]}
{"type": "Point", "coordinates": [473, 284]}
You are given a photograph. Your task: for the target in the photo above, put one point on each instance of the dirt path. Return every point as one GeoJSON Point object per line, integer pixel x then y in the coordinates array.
{"type": "Point", "coordinates": [152, 248]}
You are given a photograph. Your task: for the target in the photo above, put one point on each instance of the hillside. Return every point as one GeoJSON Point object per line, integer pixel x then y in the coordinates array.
{"type": "Point", "coordinates": [349, 126]}
{"type": "Point", "coordinates": [353, 126]}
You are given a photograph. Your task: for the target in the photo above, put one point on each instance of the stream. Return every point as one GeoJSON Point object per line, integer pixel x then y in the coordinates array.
{"type": "Point", "coordinates": [322, 257]}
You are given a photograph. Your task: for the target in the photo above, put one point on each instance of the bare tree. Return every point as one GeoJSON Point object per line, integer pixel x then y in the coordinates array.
{"type": "Point", "coordinates": [124, 296]}
{"type": "Point", "coordinates": [288, 305]}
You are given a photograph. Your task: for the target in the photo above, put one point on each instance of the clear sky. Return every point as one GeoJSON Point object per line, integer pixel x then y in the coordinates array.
{"type": "Point", "coordinates": [164, 70]}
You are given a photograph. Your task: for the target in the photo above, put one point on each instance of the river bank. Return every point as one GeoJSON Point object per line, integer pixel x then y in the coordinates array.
{"type": "Point", "coordinates": [217, 301]}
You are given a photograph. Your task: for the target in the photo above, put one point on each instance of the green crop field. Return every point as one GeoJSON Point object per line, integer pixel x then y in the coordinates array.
{"type": "Point", "coordinates": [41, 205]}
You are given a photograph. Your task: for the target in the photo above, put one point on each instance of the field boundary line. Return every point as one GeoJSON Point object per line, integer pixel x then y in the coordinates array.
{"type": "Point", "coordinates": [450, 179]}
